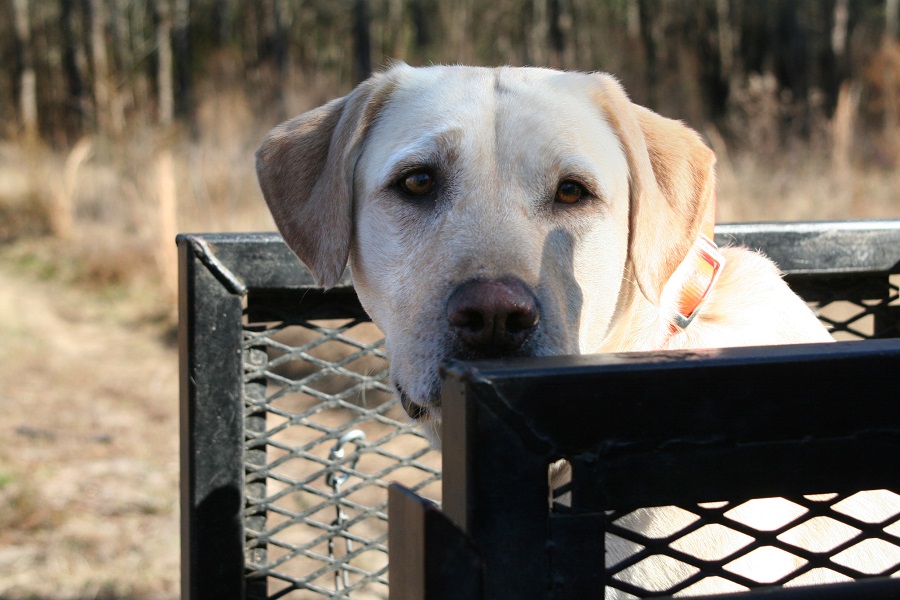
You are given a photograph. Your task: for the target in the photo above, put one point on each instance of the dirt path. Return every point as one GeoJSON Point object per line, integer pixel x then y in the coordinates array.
{"type": "Point", "coordinates": [88, 445]}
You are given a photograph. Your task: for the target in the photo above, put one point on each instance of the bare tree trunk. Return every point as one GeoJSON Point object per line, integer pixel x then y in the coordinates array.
{"type": "Point", "coordinates": [363, 39]}
{"type": "Point", "coordinates": [458, 18]}
{"type": "Point", "coordinates": [100, 64]}
{"type": "Point", "coordinates": [395, 42]}
{"type": "Point", "coordinates": [650, 24]}
{"type": "Point", "coordinates": [167, 202]}
{"type": "Point", "coordinates": [560, 24]}
{"type": "Point", "coordinates": [840, 34]}
{"type": "Point", "coordinates": [62, 217]}
{"type": "Point", "coordinates": [633, 19]}
{"type": "Point", "coordinates": [421, 18]}
{"type": "Point", "coordinates": [280, 55]}
{"type": "Point", "coordinates": [892, 20]}
{"type": "Point", "coordinates": [74, 81]}
{"type": "Point", "coordinates": [221, 15]}
{"type": "Point", "coordinates": [167, 211]}
{"type": "Point", "coordinates": [165, 88]}
{"type": "Point", "coordinates": [840, 16]}
{"type": "Point", "coordinates": [538, 34]}
{"type": "Point", "coordinates": [181, 52]}
{"type": "Point", "coordinates": [726, 39]}
{"type": "Point", "coordinates": [28, 79]}
{"type": "Point", "coordinates": [891, 101]}
{"type": "Point", "coordinates": [843, 126]}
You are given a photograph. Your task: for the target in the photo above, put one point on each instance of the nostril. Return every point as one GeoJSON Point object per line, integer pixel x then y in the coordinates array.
{"type": "Point", "coordinates": [471, 320]}
{"type": "Point", "coordinates": [523, 319]}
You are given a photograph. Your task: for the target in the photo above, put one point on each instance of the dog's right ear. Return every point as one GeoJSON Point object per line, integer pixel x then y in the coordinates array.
{"type": "Point", "coordinates": [305, 168]}
{"type": "Point", "coordinates": [672, 186]}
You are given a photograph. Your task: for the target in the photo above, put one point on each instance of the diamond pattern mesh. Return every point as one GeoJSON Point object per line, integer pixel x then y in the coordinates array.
{"type": "Point", "coordinates": [734, 546]}
{"type": "Point", "coordinates": [855, 307]}
{"type": "Point", "coordinates": [324, 438]}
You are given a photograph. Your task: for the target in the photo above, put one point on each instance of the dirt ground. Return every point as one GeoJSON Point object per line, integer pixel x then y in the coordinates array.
{"type": "Point", "coordinates": [88, 441]}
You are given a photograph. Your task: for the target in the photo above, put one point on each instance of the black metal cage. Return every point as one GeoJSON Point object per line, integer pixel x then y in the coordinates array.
{"type": "Point", "coordinates": [290, 436]}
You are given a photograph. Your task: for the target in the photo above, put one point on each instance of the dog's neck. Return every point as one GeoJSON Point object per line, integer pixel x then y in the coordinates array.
{"type": "Point", "coordinates": [640, 325]}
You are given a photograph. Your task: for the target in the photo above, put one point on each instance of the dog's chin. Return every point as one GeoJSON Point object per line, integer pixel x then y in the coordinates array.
{"type": "Point", "coordinates": [431, 428]}
{"type": "Point", "coordinates": [425, 408]}
{"type": "Point", "coordinates": [426, 414]}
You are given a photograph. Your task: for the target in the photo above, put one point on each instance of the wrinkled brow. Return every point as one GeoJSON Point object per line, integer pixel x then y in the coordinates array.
{"type": "Point", "coordinates": [434, 150]}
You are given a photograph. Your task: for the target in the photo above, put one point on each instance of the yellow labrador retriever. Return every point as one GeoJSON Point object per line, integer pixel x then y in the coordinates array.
{"type": "Point", "coordinates": [512, 211]}
{"type": "Point", "coordinates": [517, 212]}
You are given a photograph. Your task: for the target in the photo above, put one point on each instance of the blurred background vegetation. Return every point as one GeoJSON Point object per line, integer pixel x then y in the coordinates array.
{"type": "Point", "coordinates": [141, 116]}
{"type": "Point", "coordinates": [123, 122]}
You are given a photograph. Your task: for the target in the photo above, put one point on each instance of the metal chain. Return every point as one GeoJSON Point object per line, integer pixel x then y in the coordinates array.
{"type": "Point", "coordinates": [336, 479]}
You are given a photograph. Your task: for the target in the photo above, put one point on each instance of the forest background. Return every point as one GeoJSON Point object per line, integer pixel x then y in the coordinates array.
{"type": "Point", "coordinates": [123, 122]}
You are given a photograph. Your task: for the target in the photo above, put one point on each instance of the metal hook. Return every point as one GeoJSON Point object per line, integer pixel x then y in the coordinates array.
{"type": "Point", "coordinates": [334, 479]}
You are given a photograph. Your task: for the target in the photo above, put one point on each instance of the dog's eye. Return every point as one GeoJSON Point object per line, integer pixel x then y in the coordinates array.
{"type": "Point", "coordinates": [570, 192]}
{"type": "Point", "coordinates": [417, 183]}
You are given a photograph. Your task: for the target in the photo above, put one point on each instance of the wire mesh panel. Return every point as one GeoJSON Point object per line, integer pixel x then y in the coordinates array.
{"type": "Point", "coordinates": [329, 439]}
{"type": "Point", "coordinates": [735, 546]}
{"type": "Point", "coordinates": [854, 308]}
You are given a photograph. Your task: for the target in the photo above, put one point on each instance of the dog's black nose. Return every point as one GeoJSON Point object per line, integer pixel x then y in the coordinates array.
{"type": "Point", "coordinates": [492, 317]}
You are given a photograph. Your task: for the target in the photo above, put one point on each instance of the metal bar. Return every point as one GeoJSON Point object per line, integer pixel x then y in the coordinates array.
{"type": "Point", "coordinates": [576, 570]}
{"type": "Point", "coordinates": [496, 490]}
{"type": "Point", "coordinates": [669, 410]}
{"type": "Point", "coordinates": [887, 316]}
{"type": "Point", "coordinates": [864, 589]}
{"type": "Point", "coordinates": [254, 465]}
{"type": "Point", "coordinates": [431, 558]}
{"type": "Point", "coordinates": [821, 247]}
{"type": "Point", "coordinates": [264, 262]}
{"type": "Point", "coordinates": [212, 494]}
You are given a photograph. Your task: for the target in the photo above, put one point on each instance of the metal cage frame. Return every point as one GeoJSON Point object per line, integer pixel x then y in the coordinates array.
{"type": "Point", "coordinates": [225, 277]}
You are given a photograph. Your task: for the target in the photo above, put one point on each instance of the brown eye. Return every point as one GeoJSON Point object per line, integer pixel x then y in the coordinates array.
{"type": "Point", "coordinates": [570, 192]}
{"type": "Point", "coordinates": [419, 183]}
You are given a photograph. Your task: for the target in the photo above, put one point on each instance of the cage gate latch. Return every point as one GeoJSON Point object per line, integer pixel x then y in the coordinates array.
{"type": "Point", "coordinates": [335, 480]}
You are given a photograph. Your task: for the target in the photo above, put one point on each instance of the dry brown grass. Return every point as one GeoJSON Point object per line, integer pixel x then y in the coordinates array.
{"type": "Point", "coordinates": [802, 188]}
{"type": "Point", "coordinates": [88, 368]}
{"type": "Point", "coordinates": [88, 373]}
{"type": "Point", "coordinates": [88, 468]}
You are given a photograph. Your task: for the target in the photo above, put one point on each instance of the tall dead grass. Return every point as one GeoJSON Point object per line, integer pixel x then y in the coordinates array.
{"type": "Point", "coordinates": [108, 211]}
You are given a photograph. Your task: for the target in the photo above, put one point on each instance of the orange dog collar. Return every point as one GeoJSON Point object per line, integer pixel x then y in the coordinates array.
{"type": "Point", "coordinates": [704, 263]}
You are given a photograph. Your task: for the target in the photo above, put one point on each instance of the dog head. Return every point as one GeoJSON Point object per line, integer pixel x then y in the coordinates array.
{"type": "Point", "coordinates": [487, 212]}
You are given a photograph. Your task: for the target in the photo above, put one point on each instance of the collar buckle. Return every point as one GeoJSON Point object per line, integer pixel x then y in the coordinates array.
{"type": "Point", "coordinates": [704, 268]}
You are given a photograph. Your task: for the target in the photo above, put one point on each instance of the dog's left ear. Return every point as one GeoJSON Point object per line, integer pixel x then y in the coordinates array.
{"type": "Point", "coordinates": [672, 186]}
{"type": "Point", "coordinates": [305, 168]}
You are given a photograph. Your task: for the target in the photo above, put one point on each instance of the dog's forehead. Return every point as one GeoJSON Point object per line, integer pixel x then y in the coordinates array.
{"type": "Point", "coordinates": [429, 98]}
{"type": "Point", "coordinates": [509, 111]}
